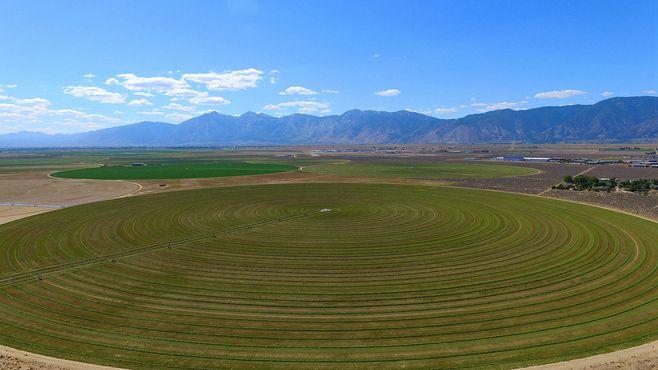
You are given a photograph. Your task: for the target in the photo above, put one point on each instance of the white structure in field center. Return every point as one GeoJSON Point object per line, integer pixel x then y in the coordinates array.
{"type": "Point", "coordinates": [325, 210]}
{"type": "Point", "coordinates": [537, 159]}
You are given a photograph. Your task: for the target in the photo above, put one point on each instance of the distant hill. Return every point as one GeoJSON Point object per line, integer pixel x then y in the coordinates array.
{"type": "Point", "coordinates": [611, 120]}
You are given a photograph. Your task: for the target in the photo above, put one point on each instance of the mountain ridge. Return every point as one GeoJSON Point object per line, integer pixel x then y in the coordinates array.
{"type": "Point", "coordinates": [611, 120]}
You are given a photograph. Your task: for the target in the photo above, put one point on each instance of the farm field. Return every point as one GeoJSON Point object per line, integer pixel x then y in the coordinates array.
{"type": "Point", "coordinates": [419, 170]}
{"type": "Point", "coordinates": [327, 276]}
{"type": "Point", "coordinates": [174, 171]}
{"type": "Point", "coordinates": [59, 160]}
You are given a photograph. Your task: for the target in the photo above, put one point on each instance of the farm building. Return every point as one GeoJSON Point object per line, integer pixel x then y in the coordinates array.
{"type": "Point", "coordinates": [509, 158]}
{"type": "Point", "coordinates": [537, 159]}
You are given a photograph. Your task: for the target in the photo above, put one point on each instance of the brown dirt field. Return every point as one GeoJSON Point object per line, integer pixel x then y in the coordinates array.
{"type": "Point", "coordinates": [12, 359]}
{"type": "Point", "coordinates": [624, 172]}
{"type": "Point", "coordinates": [638, 204]}
{"type": "Point", "coordinates": [640, 357]}
{"type": "Point", "coordinates": [38, 188]}
{"type": "Point", "coordinates": [9, 213]}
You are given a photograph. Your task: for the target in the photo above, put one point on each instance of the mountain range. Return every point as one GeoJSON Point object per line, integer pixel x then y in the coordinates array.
{"type": "Point", "coordinates": [611, 120]}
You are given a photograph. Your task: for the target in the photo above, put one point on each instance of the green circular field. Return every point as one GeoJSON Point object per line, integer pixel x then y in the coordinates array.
{"type": "Point", "coordinates": [328, 276]}
{"type": "Point", "coordinates": [174, 171]}
{"type": "Point", "coordinates": [420, 170]}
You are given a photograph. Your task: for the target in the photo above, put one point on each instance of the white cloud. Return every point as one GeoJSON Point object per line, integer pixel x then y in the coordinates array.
{"type": "Point", "coordinates": [180, 88]}
{"type": "Point", "coordinates": [152, 112]}
{"type": "Point", "coordinates": [9, 86]}
{"type": "Point", "coordinates": [272, 107]}
{"type": "Point", "coordinates": [179, 117]}
{"type": "Point", "coordinates": [89, 76]}
{"type": "Point", "coordinates": [607, 93]}
{"type": "Point", "coordinates": [96, 94]}
{"type": "Point", "coordinates": [559, 94]}
{"type": "Point", "coordinates": [78, 114]}
{"type": "Point", "coordinates": [228, 80]}
{"type": "Point", "coordinates": [308, 106]}
{"type": "Point", "coordinates": [140, 102]}
{"type": "Point", "coordinates": [71, 123]}
{"type": "Point", "coordinates": [274, 76]}
{"type": "Point", "coordinates": [299, 90]}
{"type": "Point", "coordinates": [159, 84]}
{"type": "Point", "coordinates": [112, 81]}
{"type": "Point", "coordinates": [445, 110]}
{"type": "Point", "coordinates": [651, 91]}
{"type": "Point", "coordinates": [31, 101]}
{"type": "Point", "coordinates": [376, 56]}
{"type": "Point", "coordinates": [498, 106]}
{"type": "Point", "coordinates": [389, 92]}
{"type": "Point", "coordinates": [37, 113]}
{"type": "Point", "coordinates": [176, 106]}
{"type": "Point", "coordinates": [503, 105]}
{"type": "Point", "coordinates": [164, 85]}
{"type": "Point", "coordinates": [329, 91]}
{"type": "Point", "coordinates": [185, 93]}
{"type": "Point", "coordinates": [209, 100]}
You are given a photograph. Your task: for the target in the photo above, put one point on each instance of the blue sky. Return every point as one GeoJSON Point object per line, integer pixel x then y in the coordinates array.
{"type": "Point", "coordinates": [69, 66]}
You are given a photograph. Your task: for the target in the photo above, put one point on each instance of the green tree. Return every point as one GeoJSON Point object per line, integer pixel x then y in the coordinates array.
{"type": "Point", "coordinates": [584, 182]}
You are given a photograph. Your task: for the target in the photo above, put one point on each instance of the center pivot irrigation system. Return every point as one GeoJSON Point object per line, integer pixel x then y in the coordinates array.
{"type": "Point", "coordinates": [328, 276]}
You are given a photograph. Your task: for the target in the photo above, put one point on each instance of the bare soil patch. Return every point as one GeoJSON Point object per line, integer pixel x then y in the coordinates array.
{"type": "Point", "coordinates": [639, 204]}
{"type": "Point", "coordinates": [624, 172]}
{"type": "Point", "coordinates": [13, 359]}
{"type": "Point", "coordinates": [38, 188]}
{"type": "Point", "coordinates": [10, 213]}
{"type": "Point", "coordinates": [640, 357]}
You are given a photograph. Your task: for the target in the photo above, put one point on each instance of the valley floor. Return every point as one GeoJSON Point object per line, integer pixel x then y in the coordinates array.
{"type": "Point", "coordinates": [39, 188]}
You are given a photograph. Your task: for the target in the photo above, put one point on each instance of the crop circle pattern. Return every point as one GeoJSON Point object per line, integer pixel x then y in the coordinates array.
{"type": "Point", "coordinates": [385, 276]}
